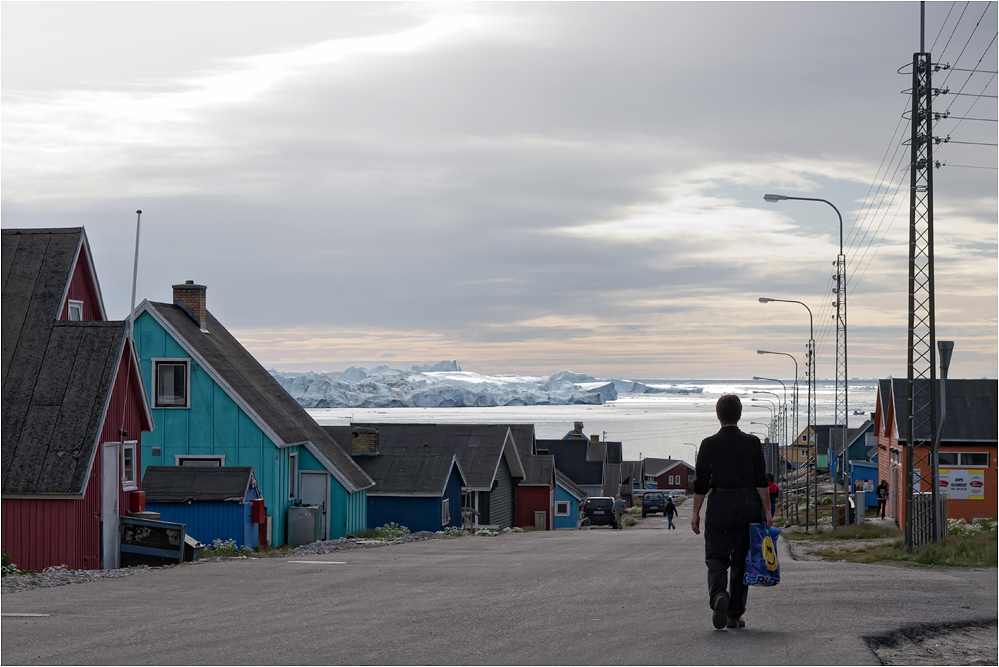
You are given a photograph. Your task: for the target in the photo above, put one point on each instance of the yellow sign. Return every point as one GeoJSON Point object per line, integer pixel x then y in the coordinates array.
{"type": "Point", "coordinates": [769, 553]}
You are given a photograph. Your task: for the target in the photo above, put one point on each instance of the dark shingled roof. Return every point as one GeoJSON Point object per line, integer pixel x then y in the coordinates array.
{"type": "Point", "coordinates": [478, 447]}
{"type": "Point", "coordinates": [37, 267]}
{"type": "Point", "coordinates": [262, 394]}
{"type": "Point", "coordinates": [538, 470]}
{"type": "Point", "coordinates": [569, 485]}
{"type": "Point", "coordinates": [57, 376]}
{"type": "Point", "coordinates": [404, 464]}
{"type": "Point", "coordinates": [523, 435]}
{"type": "Point", "coordinates": [656, 467]}
{"type": "Point", "coordinates": [570, 458]}
{"type": "Point", "coordinates": [971, 409]}
{"type": "Point", "coordinates": [177, 484]}
{"type": "Point", "coordinates": [53, 411]}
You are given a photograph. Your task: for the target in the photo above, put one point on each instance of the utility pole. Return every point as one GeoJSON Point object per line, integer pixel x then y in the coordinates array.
{"type": "Point", "coordinates": [921, 467]}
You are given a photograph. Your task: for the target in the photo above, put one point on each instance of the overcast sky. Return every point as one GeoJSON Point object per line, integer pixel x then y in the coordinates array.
{"type": "Point", "coordinates": [523, 187]}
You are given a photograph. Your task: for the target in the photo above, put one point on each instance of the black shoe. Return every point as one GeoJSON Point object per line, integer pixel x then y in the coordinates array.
{"type": "Point", "coordinates": [719, 615]}
{"type": "Point", "coordinates": [735, 623]}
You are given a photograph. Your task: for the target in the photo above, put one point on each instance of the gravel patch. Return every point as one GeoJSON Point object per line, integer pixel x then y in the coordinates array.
{"type": "Point", "coordinates": [15, 583]}
{"type": "Point", "coordinates": [974, 643]}
{"type": "Point", "coordinates": [805, 549]}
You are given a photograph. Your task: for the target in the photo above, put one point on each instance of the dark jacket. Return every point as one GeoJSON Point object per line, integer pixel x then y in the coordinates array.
{"type": "Point", "coordinates": [730, 459]}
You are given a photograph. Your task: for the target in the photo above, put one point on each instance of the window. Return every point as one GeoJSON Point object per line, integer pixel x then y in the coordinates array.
{"type": "Point", "coordinates": [561, 508]}
{"type": "Point", "coordinates": [293, 473]}
{"type": "Point", "coordinates": [75, 311]}
{"type": "Point", "coordinates": [128, 467]}
{"type": "Point", "coordinates": [964, 458]}
{"type": "Point", "coordinates": [201, 461]}
{"type": "Point", "coordinates": [446, 512]}
{"type": "Point", "coordinates": [690, 479]}
{"type": "Point", "coordinates": [172, 384]}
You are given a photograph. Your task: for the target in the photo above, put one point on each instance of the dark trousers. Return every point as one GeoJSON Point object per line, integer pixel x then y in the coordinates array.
{"type": "Point", "coordinates": [882, 502]}
{"type": "Point", "coordinates": [726, 543]}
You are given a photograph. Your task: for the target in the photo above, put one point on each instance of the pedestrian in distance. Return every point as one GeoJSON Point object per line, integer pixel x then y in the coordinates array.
{"type": "Point", "coordinates": [774, 492]}
{"type": "Point", "coordinates": [620, 507]}
{"type": "Point", "coordinates": [670, 513]}
{"type": "Point", "coordinates": [882, 493]}
{"type": "Point", "coordinates": [730, 472]}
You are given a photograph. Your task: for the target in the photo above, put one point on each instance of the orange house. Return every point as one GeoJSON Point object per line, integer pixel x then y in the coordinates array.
{"type": "Point", "coordinates": [968, 454]}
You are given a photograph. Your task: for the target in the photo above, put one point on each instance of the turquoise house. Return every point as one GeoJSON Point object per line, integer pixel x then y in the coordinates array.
{"type": "Point", "coordinates": [213, 404]}
{"type": "Point", "coordinates": [568, 497]}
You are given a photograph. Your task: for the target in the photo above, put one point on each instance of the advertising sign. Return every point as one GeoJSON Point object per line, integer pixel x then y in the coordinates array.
{"type": "Point", "coordinates": [962, 483]}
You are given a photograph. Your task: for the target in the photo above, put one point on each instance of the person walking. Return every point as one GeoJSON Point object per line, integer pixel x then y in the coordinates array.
{"type": "Point", "coordinates": [670, 513]}
{"type": "Point", "coordinates": [774, 492]}
{"type": "Point", "coordinates": [620, 507]}
{"type": "Point", "coordinates": [730, 466]}
{"type": "Point", "coordinates": [882, 493]}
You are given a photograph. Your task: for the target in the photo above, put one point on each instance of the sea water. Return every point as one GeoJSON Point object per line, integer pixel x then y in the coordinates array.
{"type": "Point", "coordinates": [656, 425]}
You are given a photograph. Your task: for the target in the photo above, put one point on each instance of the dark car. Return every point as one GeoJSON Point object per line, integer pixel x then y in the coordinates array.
{"type": "Point", "coordinates": [652, 502]}
{"type": "Point", "coordinates": [600, 511]}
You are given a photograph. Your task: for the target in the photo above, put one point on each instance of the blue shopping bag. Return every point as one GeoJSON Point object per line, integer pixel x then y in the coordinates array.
{"type": "Point", "coordinates": [762, 567]}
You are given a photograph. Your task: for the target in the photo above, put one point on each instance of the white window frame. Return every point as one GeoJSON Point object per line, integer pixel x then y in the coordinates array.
{"type": "Point", "coordinates": [293, 475]}
{"type": "Point", "coordinates": [690, 479]}
{"type": "Point", "coordinates": [562, 503]}
{"type": "Point", "coordinates": [446, 511]}
{"type": "Point", "coordinates": [179, 459]}
{"type": "Point", "coordinates": [961, 462]}
{"type": "Point", "coordinates": [156, 361]}
{"type": "Point", "coordinates": [129, 484]}
{"type": "Point", "coordinates": [78, 305]}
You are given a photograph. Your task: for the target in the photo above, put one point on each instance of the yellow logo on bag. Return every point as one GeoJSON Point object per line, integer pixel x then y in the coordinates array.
{"type": "Point", "coordinates": [769, 553]}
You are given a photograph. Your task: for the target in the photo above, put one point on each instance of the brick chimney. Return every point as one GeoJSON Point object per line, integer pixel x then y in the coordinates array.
{"type": "Point", "coordinates": [191, 298]}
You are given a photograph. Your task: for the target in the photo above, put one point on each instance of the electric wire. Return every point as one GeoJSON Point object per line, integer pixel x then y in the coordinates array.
{"type": "Point", "coordinates": [944, 50]}
{"type": "Point", "coordinates": [942, 26]}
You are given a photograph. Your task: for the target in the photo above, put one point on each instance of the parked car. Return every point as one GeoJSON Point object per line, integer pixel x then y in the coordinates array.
{"type": "Point", "coordinates": [652, 502]}
{"type": "Point", "coordinates": [600, 511]}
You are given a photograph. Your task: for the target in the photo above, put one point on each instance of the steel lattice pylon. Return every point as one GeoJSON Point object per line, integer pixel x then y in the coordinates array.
{"type": "Point", "coordinates": [842, 407]}
{"type": "Point", "coordinates": [921, 477]}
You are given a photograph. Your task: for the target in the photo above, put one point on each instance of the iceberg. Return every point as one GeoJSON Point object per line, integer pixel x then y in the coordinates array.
{"type": "Point", "coordinates": [445, 385]}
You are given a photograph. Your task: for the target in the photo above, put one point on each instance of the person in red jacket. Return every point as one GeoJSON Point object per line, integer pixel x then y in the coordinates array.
{"type": "Point", "coordinates": [774, 492]}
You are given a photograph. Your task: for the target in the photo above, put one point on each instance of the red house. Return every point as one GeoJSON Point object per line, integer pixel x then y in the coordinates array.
{"type": "Point", "coordinates": [535, 505]}
{"type": "Point", "coordinates": [968, 441]}
{"type": "Point", "coordinates": [74, 407]}
{"type": "Point", "coordinates": [669, 474]}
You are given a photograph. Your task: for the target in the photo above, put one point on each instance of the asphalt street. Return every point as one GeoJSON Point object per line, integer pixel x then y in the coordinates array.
{"type": "Point", "coordinates": [599, 596]}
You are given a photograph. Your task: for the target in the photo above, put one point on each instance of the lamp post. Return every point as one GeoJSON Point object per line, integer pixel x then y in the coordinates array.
{"type": "Point", "coordinates": [695, 451]}
{"type": "Point", "coordinates": [842, 379]}
{"type": "Point", "coordinates": [780, 418]}
{"type": "Point", "coordinates": [782, 424]}
{"type": "Point", "coordinates": [794, 429]}
{"type": "Point", "coordinates": [810, 365]}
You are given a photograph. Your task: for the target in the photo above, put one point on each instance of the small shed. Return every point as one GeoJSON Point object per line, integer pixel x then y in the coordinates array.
{"type": "Point", "coordinates": [214, 502]}
{"type": "Point", "coordinates": [536, 493]}
{"type": "Point", "coordinates": [864, 477]}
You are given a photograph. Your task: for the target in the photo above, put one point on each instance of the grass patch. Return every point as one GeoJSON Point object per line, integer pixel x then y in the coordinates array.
{"type": "Point", "coordinates": [967, 545]}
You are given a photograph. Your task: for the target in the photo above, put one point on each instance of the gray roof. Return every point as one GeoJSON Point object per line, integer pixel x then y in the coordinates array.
{"type": "Point", "coordinates": [571, 460]}
{"type": "Point", "coordinates": [971, 409]}
{"type": "Point", "coordinates": [615, 453]}
{"type": "Point", "coordinates": [523, 435]}
{"type": "Point", "coordinates": [37, 266]}
{"type": "Point", "coordinates": [656, 467]}
{"type": "Point", "coordinates": [538, 470]}
{"type": "Point", "coordinates": [596, 451]}
{"type": "Point", "coordinates": [260, 394]}
{"type": "Point", "coordinates": [631, 472]}
{"type": "Point", "coordinates": [478, 447]}
{"type": "Point", "coordinates": [54, 406]}
{"type": "Point", "coordinates": [612, 479]}
{"type": "Point", "coordinates": [836, 435]}
{"type": "Point", "coordinates": [177, 484]}
{"type": "Point", "coordinates": [57, 376]}
{"type": "Point", "coordinates": [569, 485]}
{"type": "Point", "coordinates": [404, 464]}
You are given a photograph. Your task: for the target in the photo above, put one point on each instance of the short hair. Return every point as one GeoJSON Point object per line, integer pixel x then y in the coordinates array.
{"type": "Point", "coordinates": [770, 477]}
{"type": "Point", "coordinates": [729, 409]}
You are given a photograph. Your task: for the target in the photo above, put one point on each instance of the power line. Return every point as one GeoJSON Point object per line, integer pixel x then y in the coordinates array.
{"type": "Point", "coordinates": [939, 32]}
{"type": "Point", "coordinates": [955, 28]}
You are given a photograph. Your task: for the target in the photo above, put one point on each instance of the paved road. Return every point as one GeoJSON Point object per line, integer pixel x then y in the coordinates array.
{"type": "Point", "coordinates": [600, 596]}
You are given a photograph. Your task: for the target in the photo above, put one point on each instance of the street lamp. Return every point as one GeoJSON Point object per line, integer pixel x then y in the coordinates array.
{"type": "Point", "coordinates": [810, 366]}
{"type": "Point", "coordinates": [781, 416]}
{"type": "Point", "coordinates": [842, 379]}
{"type": "Point", "coordinates": [794, 429]}
{"type": "Point", "coordinates": [695, 451]}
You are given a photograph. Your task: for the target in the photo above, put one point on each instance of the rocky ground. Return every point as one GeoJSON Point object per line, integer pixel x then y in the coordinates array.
{"type": "Point", "coordinates": [940, 645]}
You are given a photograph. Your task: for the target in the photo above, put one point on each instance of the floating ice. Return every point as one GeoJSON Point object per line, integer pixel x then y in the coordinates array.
{"type": "Point", "coordinates": [444, 385]}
